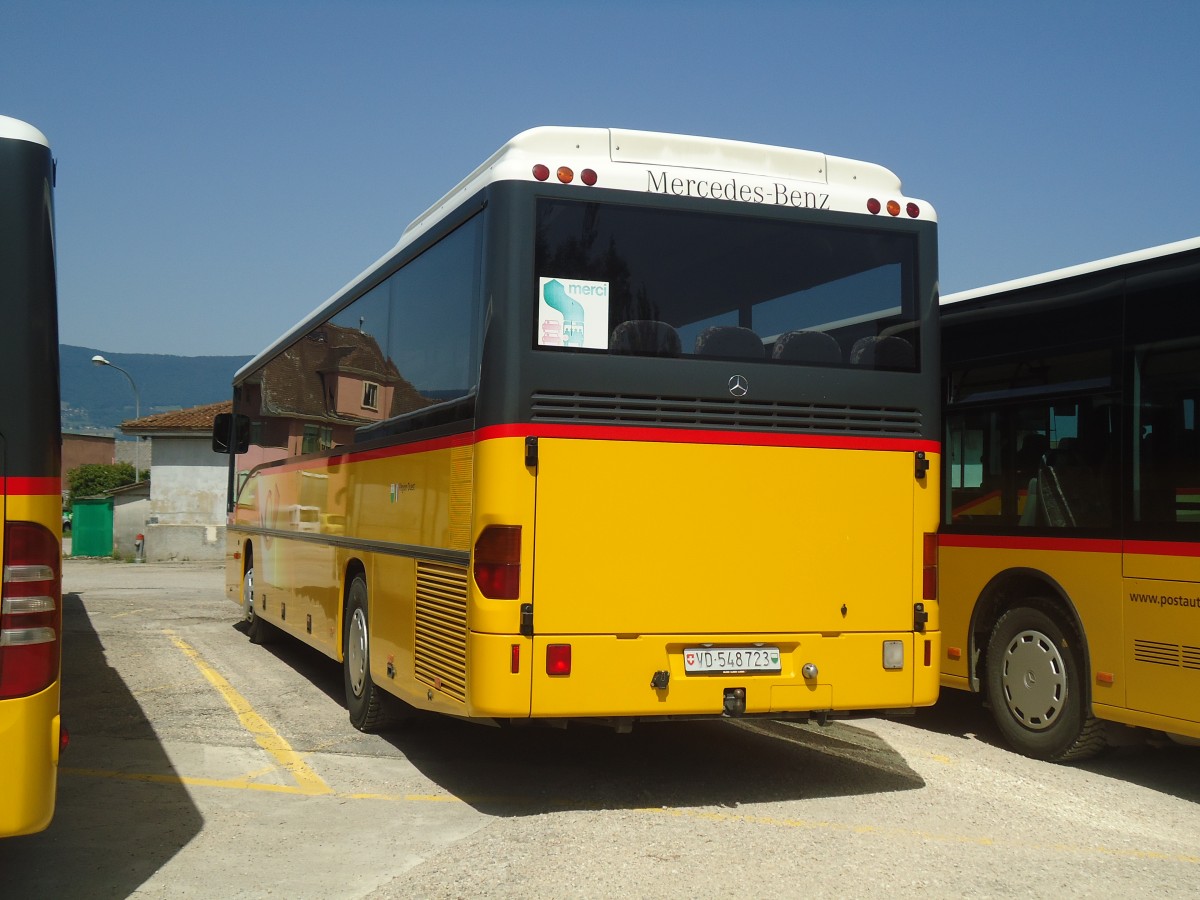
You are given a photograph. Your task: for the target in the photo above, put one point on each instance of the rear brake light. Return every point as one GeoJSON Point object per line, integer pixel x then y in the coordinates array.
{"type": "Point", "coordinates": [558, 659]}
{"type": "Point", "coordinates": [30, 610]}
{"type": "Point", "coordinates": [498, 562]}
{"type": "Point", "coordinates": [929, 568]}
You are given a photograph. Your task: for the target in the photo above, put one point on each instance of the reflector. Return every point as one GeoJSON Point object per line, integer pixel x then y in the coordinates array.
{"type": "Point", "coordinates": [893, 654]}
{"type": "Point", "coordinates": [558, 659]}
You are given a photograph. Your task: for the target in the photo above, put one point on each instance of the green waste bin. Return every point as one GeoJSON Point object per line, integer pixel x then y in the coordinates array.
{"type": "Point", "coordinates": [92, 527]}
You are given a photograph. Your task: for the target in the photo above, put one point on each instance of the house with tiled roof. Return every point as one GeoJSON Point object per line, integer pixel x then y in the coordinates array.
{"type": "Point", "coordinates": [186, 515]}
{"type": "Point", "coordinates": [320, 390]}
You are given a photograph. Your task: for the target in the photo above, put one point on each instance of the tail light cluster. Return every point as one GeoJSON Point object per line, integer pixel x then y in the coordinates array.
{"type": "Point", "coordinates": [30, 610]}
{"type": "Point", "coordinates": [565, 174]}
{"type": "Point", "coordinates": [929, 567]}
{"type": "Point", "coordinates": [874, 207]}
{"type": "Point", "coordinates": [498, 562]}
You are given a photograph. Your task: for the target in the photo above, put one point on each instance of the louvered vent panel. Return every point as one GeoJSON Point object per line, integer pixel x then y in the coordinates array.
{"type": "Point", "coordinates": [684, 412]}
{"type": "Point", "coordinates": [1156, 652]}
{"type": "Point", "coordinates": [1191, 657]}
{"type": "Point", "coordinates": [461, 462]}
{"type": "Point", "coordinates": [440, 660]}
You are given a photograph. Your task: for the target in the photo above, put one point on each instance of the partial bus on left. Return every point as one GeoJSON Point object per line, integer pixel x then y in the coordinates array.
{"type": "Point", "coordinates": [31, 735]}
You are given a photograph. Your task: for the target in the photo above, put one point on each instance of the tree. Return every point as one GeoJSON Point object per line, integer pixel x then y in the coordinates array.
{"type": "Point", "coordinates": [92, 478]}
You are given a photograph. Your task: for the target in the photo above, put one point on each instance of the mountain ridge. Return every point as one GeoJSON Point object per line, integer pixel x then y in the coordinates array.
{"type": "Point", "coordinates": [96, 401]}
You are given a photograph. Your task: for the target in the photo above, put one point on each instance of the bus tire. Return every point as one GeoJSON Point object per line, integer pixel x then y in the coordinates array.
{"type": "Point", "coordinates": [1035, 688]}
{"type": "Point", "coordinates": [257, 628]}
{"type": "Point", "coordinates": [365, 702]}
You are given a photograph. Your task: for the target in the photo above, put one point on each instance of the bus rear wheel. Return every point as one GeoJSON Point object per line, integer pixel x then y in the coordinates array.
{"type": "Point", "coordinates": [257, 628]}
{"type": "Point", "coordinates": [365, 702]}
{"type": "Point", "coordinates": [1035, 688]}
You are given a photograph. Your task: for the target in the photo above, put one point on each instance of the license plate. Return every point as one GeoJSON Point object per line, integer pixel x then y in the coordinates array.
{"type": "Point", "coordinates": [731, 659]}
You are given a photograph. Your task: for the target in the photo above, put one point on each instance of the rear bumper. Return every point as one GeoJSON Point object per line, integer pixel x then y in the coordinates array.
{"type": "Point", "coordinates": [29, 744]}
{"type": "Point", "coordinates": [612, 676]}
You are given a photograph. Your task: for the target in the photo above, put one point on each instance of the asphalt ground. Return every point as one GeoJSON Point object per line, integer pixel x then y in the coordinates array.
{"type": "Point", "coordinates": [201, 765]}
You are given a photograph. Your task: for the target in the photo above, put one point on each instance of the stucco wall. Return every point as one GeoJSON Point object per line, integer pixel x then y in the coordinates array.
{"type": "Point", "coordinates": [187, 500]}
{"type": "Point", "coordinates": [129, 520]}
{"type": "Point", "coordinates": [189, 482]}
{"type": "Point", "coordinates": [180, 543]}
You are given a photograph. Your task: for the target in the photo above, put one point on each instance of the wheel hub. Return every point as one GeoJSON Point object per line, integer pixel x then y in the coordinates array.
{"type": "Point", "coordinates": [356, 652]}
{"type": "Point", "coordinates": [1034, 678]}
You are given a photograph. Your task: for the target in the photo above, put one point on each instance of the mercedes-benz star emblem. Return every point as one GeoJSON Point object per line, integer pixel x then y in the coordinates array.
{"type": "Point", "coordinates": [739, 386]}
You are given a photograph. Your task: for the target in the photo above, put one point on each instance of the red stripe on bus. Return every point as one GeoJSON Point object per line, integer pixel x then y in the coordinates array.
{"type": "Point", "coordinates": [696, 436]}
{"type": "Point", "coordinates": [442, 443]}
{"type": "Point", "coordinates": [22, 485]}
{"type": "Point", "coordinates": [1011, 542]}
{"type": "Point", "coordinates": [615, 433]}
{"type": "Point", "coordinates": [1163, 548]}
{"type": "Point", "coordinates": [1078, 545]}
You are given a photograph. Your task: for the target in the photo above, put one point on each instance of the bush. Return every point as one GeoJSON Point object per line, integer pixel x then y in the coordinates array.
{"type": "Point", "coordinates": [92, 478]}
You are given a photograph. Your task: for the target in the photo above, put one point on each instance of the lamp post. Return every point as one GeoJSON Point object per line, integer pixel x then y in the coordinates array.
{"type": "Point", "coordinates": [99, 360]}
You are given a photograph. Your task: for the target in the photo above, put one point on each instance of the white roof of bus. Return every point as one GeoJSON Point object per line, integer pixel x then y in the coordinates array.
{"type": "Point", "coordinates": [551, 144]}
{"type": "Point", "coordinates": [1087, 268]}
{"type": "Point", "coordinates": [15, 129]}
{"type": "Point", "coordinates": [623, 155]}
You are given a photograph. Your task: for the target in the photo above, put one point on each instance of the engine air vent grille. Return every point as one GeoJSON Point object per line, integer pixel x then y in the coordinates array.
{"type": "Point", "coordinates": [440, 658]}
{"type": "Point", "coordinates": [761, 415]}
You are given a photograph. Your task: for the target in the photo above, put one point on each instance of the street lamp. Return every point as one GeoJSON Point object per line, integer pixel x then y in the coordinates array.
{"type": "Point", "coordinates": [99, 360]}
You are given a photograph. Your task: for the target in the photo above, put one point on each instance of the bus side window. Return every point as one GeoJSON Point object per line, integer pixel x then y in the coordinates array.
{"type": "Point", "coordinates": [1167, 451]}
{"type": "Point", "coordinates": [974, 490]}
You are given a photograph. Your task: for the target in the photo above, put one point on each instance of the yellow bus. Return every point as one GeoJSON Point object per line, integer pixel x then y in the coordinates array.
{"type": "Point", "coordinates": [608, 435]}
{"type": "Point", "coordinates": [31, 480]}
{"type": "Point", "coordinates": [1070, 553]}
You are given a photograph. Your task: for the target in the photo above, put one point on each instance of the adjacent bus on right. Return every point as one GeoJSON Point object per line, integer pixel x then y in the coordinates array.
{"type": "Point", "coordinates": [1069, 556]}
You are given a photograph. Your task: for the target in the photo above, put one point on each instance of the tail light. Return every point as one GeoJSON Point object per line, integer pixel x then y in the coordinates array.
{"type": "Point", "coordinates": [558, 659]}
{"type": "Point", "coordinates": [929, 568]}
{"type": "Point", "coordinates": [498, 562]}
{"type": "Point", "coordinates": [30, 610]}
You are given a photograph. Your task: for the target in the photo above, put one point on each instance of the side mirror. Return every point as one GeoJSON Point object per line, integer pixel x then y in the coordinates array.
{"type": "Point", "coordinates": [231, 433]}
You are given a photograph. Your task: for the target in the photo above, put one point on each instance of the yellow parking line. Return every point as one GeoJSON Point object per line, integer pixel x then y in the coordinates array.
{"type": "Point", "coordinates": [242, 784]}
{"type": "Point", "coordinates": [267, 737]}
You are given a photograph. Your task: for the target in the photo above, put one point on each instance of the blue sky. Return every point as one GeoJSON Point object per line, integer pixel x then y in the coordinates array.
{"type": "Point", "coordinates": [226, 166]}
